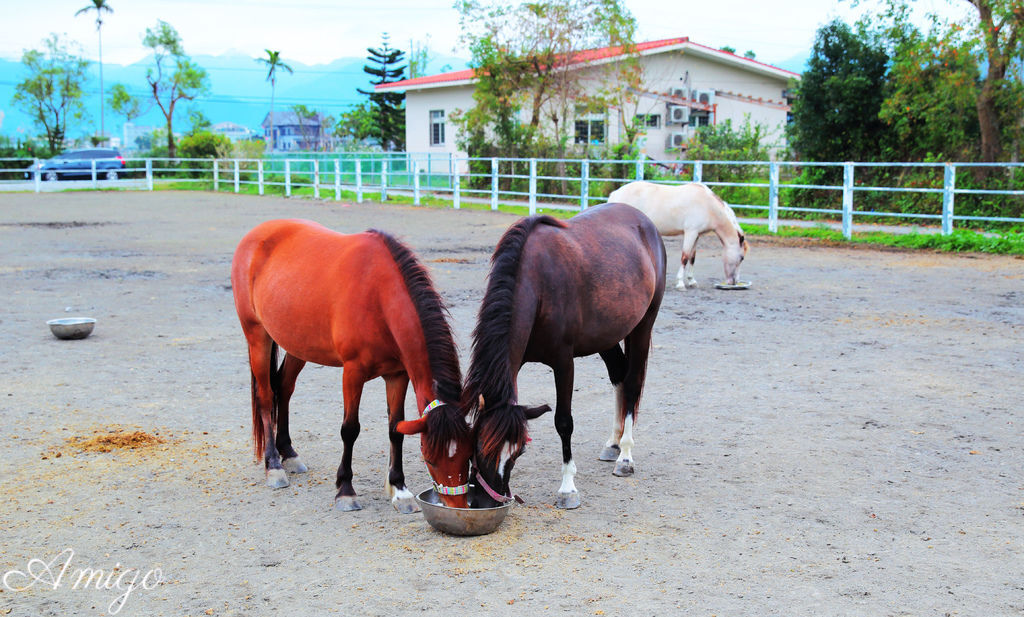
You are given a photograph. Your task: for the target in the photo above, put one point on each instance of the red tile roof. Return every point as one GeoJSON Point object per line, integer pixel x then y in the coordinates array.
{"type": "Point", "coordinates": [589, 55]}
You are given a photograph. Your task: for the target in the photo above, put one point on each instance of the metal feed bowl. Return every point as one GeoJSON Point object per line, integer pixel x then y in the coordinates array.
{"type": "Point", "coordinates": [460, 521]}
{"type": "Point", "coordinates": [72, 327]}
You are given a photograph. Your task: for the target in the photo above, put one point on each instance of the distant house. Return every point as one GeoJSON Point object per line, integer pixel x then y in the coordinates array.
{"type": "Point", "coordinates": [294, 134]}
{"type": "Point", "coordinates": [686, 86]}
{"type": "Point", "coordinates": [234, 132]}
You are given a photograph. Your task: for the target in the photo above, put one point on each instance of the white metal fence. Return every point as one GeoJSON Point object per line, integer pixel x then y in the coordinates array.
{"type": "Point", "coordinates": [572, 184]}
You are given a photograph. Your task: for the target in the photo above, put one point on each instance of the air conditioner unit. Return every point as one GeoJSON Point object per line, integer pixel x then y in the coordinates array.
{"type": "Point", "coordinates": [675, 141]}
{"type": "Point", "coordinates": [678, 92]}
{"type": "Point", "coordinates": [705, 96]}
{"type": "Point", "coordinates": [678, 114]}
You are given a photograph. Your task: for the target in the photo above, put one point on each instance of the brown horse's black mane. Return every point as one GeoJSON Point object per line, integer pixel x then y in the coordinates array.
{"type": "Point", "coordinates": [490, 371]}
{"type": "Point", "coordinates": [446, 422]}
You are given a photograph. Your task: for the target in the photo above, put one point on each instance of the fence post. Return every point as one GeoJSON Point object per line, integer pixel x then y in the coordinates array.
{"type": "Point", "coordinates": [383, 179]}
{"type": "Point", "coordinates": [316, 178]}
{"type": "Point", "coordinates": [216, 176]}
{"type": "Point", "coordinates": [416, 183]}
{"type": "Point", "coordinates": [773, 197]}
{"type": "Point", "coordinates": [359, 181]}
{"type": "Point", "coordinates": [93, 165]}
{"type": "Point", "coordinates": [36, 175]}
{"type": "Point", "coordinates": [948, 193]}
{"type": "Point", "coordinates": [640, 167]}
{"type": "Point", "coordinates": [236, 175]}
{"type": "Point", "coordinates": [494, 183]}
{"type": "Point", "coordinates": [584, 184]}
{"type": "Point", "coordinates": [259, 175]}
{"type": "Point", "coordinates": [698, 171]}
{"type": "Point", "coordinates": [533, 186]}
{"type": "Point", "coordinates": [337, 179]}
{"type": "Point", "coordinates": [451, 169]}
{"type": "Point", "coordinates": [287, 177]}
{"type": "Point", "coordinates": [847, 200]}
{"type": "Point", "coordinates": [457, 191]}
{"type": "Point", "coordinates": [149, 174]}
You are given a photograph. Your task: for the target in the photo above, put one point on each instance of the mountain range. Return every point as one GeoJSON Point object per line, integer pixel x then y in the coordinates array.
{"type": "Point", "coordinates": [239, 91]}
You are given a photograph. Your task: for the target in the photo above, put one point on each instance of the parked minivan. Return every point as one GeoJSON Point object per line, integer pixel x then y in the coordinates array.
{"type": "Point", "coordinates": [77, 164]}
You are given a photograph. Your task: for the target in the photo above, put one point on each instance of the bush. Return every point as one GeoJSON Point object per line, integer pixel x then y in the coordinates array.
{"type": "Point", "coordinates": [202, 145]}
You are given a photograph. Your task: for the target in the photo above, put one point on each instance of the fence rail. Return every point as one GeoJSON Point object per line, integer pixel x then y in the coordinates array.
{"type": "Point", "coordinates": [569, 184]}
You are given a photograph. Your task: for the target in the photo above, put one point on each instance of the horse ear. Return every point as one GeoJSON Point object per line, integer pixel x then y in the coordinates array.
{"type": "Point", "coordinates": [532, 413]}
{"type": "Point", "coordinates": [412, 427]}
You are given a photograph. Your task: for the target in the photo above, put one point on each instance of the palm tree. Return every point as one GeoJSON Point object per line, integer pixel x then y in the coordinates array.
{"type": "Point", "coordinates": [273, 62]}
{"type": "Point", "coordinates": [99, 6]}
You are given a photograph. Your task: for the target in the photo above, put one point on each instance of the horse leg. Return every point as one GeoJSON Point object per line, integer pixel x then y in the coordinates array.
{"type": "Point", "coordinates": [568, 496]}
{"type": "Point", "coordinates": [290, 369]}
{"type": "Point", "coordinates": [263, 362]}
{"type": "Point", "coordinates": [615, 362]}
{"type": "Point", "coordinates": [638, 347]}
{"type": "Point", "coordinates": [352, 388]}
{"type": "Point", "coordinates": [685, 277]}
{"type": "Point", "coordinates": [394, 485]}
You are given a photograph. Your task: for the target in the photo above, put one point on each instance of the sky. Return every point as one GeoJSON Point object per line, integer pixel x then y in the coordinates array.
{"type": "Point", "coordinates": [318, 31]}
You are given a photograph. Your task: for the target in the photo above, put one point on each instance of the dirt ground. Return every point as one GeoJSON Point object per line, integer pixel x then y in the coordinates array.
{"type": "Point", "coordinates": [844, 438]}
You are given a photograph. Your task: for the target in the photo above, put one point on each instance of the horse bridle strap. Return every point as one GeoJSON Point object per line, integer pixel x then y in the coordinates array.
{"type": "Point", "coordinates": [441, 489]}
{"type": "Point", "coordinates": [494, 494]}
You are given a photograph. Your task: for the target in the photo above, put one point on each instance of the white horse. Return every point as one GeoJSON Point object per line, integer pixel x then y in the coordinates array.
{"type": "Point", "coordinates": [692, 210]}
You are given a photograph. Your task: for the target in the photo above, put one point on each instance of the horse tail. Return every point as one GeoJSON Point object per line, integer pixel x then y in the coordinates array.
{"type": "Point", "coordinates": [259, 435]}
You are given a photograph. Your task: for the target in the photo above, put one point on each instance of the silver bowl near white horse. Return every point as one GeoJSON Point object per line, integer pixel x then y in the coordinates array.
{"type": "Point", "coordinates": [691, 210]}
{"type": "Point", "coordinates": [460, 521]}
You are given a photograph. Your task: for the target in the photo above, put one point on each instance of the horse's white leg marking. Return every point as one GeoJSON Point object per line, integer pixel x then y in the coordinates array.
{"type": "Point", "coordinates": [624, 464]}
{"type": "Point", "coordinates": [611, 447]}
{"type": "Point", "coordinates": [568, 496]}
{"type": "Point", "coordinates": [402, 499]}
{"type": "Point", "coordinates": [294, 465]}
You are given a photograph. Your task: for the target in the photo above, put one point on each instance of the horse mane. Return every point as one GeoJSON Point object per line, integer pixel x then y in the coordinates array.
{"type": "Point", "coordinates": [446, 422]}
{"type": "Point", "coordinates": [490, 370]}
{"type": "Point", "coordinates": [732, 219]}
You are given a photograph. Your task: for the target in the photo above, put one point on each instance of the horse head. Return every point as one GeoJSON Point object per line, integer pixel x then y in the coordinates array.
{"type": "Point", "coordinates": [734, 251]}
{"type": "Point", "coordinates": [446, 443]}
{"type": "Point", "coordinates": [501, 437]}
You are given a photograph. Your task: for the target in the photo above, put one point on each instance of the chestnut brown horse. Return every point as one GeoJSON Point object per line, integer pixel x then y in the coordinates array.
{"type": "Point", "coordinates": [557, 291]}
{"type": "Point", "coordinates": [360, 301]}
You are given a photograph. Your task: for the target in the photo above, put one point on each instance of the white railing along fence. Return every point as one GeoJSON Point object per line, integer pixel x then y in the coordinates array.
{"type": "Point", "coordinates": [571, 183]}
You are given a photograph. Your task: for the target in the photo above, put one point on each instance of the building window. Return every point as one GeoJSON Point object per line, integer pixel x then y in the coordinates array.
{"type": "Point", "coordinates": [437, 127]}
{"type": "Point", "coordinates": [590, 131]}
{"type": "Point", "coordinates": [650, 121]}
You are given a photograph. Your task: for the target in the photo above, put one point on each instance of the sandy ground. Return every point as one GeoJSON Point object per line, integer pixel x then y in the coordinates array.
{"type": "Point", "coordinates": [845, 438]}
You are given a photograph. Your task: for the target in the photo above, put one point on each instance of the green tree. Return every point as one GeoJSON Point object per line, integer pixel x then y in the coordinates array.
{"type": "Point", "coordinates": [100, 6]}
{"type": "Point", "coordinates": [835, 114]}
{"type": "Point", "coordinates": [388, 107]}
{"type": "Point", "coordinates": [122, 102]}
{"type": "Point", "coordinates": [198, 122]}
{"type": "Point", "coordinates": [53, 91]}
{"type": "Point", "coordinates": [356, 124]}
{"type": "Point", "coordinates": [173, 76]}
{"type": "Point", "coordinates": [273, 63]}
{"type": "Point", "coordinates": [521, 54]}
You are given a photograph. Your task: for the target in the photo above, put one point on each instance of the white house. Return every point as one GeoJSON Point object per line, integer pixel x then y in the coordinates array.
{"type": "Point", "coordinates": [234, 132]}
{"type": "Point", "coordinates": [685, 85]}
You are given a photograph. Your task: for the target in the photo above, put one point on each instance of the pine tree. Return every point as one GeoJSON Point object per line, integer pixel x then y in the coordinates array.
{"type": "Point", "coordinates": [388, 107]}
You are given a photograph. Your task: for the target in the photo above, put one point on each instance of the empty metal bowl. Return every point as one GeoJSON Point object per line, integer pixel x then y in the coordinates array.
{"type": "Point", "coordinates": [460, 521]}
{"type": "Point", "coordinates": [72, 327]}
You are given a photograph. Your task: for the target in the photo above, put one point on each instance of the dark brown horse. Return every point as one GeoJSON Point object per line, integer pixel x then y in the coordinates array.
{"type": "Point", "coordinates": [557, 291]}
{"type": "Point", "coordinates": [361, 301]}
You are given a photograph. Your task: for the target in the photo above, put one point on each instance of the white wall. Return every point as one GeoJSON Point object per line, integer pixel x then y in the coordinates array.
{"type": "Point", "coordinates": [418, 105]}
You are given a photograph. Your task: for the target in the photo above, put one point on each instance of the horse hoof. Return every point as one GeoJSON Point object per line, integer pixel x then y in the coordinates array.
{"type": "Point", "coordinates": [347, 504]}
{"type": "Point", "coordinates": [277, 478]}
{"type": "Point", "coordinates": [294, 465]}
{"type": "Point", "coordinates": [568, 501]}
{"type": "Point", "coordinates": [405, 506]}
{"type": "Point", "coordinates": [623, 469]}
{"type": "Point", "coordinates": [610, 453]}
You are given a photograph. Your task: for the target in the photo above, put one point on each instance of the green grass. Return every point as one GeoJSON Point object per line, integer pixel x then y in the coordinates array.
{"type": "Point", "coordinates": [960, 241]}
